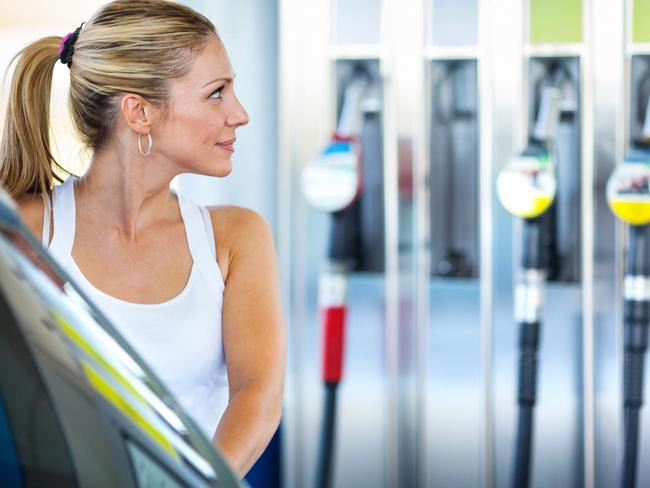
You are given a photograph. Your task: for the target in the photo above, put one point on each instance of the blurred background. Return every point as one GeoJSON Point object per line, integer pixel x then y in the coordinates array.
{"type": "Point", "coordinates": [396, 221]}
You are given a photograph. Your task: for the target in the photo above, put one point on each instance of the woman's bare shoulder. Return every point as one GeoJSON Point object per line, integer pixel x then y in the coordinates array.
{"type": "Point", "coordinates": [236, 219]}
{"type": "Point", "coordinates": [31, 208]}
{"type": "Point", "coordinates": [238, 231]}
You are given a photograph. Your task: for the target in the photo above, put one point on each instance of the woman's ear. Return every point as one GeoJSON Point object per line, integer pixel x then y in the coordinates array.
{"type": "Point", "coordinates": [137, 112]}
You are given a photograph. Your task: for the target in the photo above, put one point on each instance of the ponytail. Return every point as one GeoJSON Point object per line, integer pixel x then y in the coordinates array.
{"type": "Point", "coordinates": [26, 160]}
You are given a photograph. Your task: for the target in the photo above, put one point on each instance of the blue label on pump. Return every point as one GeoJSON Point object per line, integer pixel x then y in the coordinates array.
{"type": "Point", "coordinates": [338, 147]}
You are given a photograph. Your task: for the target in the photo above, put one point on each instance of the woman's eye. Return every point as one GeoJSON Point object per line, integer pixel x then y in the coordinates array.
{"type": "Point", "coordinates": [216, 95]}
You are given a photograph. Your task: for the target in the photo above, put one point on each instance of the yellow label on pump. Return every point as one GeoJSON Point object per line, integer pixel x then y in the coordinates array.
{"type": "Point", "coordinates": [628, 192]}
{"type": "Point", "coordinates": [632, 212]}
{"type": "Point", "coordinates": [535, 207]}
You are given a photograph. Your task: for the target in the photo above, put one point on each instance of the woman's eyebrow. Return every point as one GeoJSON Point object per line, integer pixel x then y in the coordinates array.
{"type": "Point", "coordinates": [221, 78]}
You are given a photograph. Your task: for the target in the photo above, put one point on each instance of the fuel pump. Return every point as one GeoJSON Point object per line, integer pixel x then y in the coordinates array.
{"type": "Point", "coordinates": [332, 183]}
{"type": "Point", "coordinates": [628, 194]}
{"type": "Point", "coordinates": [454, 150]}
{"type": "Point", "coordinates": [527, 188]}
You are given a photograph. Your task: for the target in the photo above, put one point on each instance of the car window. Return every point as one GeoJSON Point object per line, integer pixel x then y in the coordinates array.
{"type": "Point", "coordinates": [148, 470]}
{"type": "Point", "coordinates": [34, 443]}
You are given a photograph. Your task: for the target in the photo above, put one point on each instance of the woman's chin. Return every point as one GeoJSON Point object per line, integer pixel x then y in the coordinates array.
{"type": "Point", "coordinates": [222, 170]}
{"type": "Point", "coordinates": [218, 169]}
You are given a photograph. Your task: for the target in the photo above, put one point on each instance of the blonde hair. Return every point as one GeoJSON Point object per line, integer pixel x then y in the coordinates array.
{"type": "Point", "coordinates": [128, 46]}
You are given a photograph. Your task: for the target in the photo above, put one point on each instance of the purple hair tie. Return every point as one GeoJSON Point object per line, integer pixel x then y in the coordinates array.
{"type": "Point", "coordinates": [66, 48]}
{"type": "Point", "coordinates": [62, 45]}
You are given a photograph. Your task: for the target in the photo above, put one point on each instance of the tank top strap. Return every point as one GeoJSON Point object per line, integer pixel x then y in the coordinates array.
{"type": "Point", "coordinates": [47, 219]}
{"type": "Point", "coordinates": [64, 217]}
{"type": "Point", "coordinates": [200, 238]}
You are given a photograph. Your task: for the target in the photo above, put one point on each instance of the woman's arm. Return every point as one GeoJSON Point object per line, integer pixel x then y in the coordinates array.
{"type": "Point", "coordinates": [253, 336]}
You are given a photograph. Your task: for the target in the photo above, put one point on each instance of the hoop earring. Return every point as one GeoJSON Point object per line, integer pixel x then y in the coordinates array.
{"type": "Point", "coordinates": [140, 145]}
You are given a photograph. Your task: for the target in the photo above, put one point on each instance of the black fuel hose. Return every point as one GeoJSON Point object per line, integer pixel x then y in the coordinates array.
{"type": "Point", "coordinates": [328, 431]}
{"type": "Point", "coordinates": [636, 320]}
{"type": "Point", "coordinates": [342, 256]}
{"type": "Point", "coordinates": [528, 309]}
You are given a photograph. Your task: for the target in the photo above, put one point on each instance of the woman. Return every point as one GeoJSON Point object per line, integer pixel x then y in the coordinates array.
{"type": "Point", "coordinates": [194, 290]}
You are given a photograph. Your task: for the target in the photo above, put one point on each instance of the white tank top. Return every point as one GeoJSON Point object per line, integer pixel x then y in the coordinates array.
{"type": "Point", "coordinates": [181, 338]}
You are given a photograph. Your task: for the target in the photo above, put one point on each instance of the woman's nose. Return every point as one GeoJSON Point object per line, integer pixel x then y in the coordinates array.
{"type": "Point", "coordinates": [238, 116]}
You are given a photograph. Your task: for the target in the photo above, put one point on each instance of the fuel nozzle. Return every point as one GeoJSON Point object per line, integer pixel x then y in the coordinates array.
{"type": "Point", "coordinates": [527, 184]}
{"type": "Point", "coordinates": [331, 182]}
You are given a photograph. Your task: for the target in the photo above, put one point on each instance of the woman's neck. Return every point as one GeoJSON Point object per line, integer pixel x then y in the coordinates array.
{"type": "Point", "coordinates": [126, 191]}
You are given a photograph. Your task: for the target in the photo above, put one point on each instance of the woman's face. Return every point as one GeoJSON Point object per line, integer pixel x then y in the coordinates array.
{"type": "Point", "coordinates": [198, 132]}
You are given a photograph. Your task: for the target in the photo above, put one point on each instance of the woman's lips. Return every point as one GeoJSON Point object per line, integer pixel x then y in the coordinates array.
{"type": "Point", "coordinates": [228, 145]}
